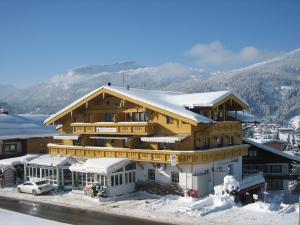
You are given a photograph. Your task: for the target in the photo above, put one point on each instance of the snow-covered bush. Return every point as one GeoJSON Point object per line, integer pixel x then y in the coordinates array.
{"type": "Point", "coordinates": [231, 185]}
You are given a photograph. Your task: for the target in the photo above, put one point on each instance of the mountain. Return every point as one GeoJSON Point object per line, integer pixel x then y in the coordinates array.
{"type": "Point", "coordinates": [272, 88]}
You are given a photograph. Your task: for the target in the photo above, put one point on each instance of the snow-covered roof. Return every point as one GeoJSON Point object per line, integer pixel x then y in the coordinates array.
{"type": "Point", "coordinates": [101, 165]}
{"type": "Point", "coordinates": [65, 137]}
{"type": "Point", "coordinates": [265, 140]}
{"type": "Point", "coordinates": [271, 149]}
{"type": "Point", "coordinates": [24, 126]}
{"type": "Point", "coordinates": [11, 162]}
{"type": "Point", "coordinates": [174, 102]}
{"type": "Point", "coordinates": [244, 117]}
{"type": "Point", "coordinates": [52, 160]}
{"type": "Point", "coordinates": [164, 139]}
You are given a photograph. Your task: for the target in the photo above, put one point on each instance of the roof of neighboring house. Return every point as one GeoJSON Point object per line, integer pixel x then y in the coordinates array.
{"type": "Point", "coordinates": [174, 102]}
{"type": "Point", "coordinates": [24, 126]}
{"type": "Point", "coordinates": [53, 160]}
{"type": "Point", "coordinates": [11, 162]}
{"type": "Point", "coordinates": [286, 154]}
{"type": "Point", "coordinates": [244, 117]}
{"type": "Point", "coordinates": [101, 165]}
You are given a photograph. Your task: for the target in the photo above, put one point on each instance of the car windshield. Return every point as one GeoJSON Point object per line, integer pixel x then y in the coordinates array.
{"type": "Point", "coordinates": [41, 182]}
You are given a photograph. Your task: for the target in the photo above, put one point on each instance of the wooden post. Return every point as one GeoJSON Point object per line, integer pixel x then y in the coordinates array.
{"type": "Point", "coordinates": [72, 180]}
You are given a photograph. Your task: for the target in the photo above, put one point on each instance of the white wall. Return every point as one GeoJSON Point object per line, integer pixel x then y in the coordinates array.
{"type": "Point", "coordinates": [198, 173]}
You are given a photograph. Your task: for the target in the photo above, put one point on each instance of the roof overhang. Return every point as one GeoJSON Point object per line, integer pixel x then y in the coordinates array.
{"type": "Point", "coordinates": [100, 166]}
{"type": "Point", "coordinates": [164, 139]}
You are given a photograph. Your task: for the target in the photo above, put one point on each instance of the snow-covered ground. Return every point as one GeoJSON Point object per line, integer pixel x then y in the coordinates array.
{"type": "Point", "coordinates": [214, 209]}
{"type": "Point", "coordinates": [14, 218]}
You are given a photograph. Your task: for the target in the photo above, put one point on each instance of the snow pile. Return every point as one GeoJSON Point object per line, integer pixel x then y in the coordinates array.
{"type": "Point", "coordinates": [230, 184]}
{"type": "Point", "coordinates": [272, 207]}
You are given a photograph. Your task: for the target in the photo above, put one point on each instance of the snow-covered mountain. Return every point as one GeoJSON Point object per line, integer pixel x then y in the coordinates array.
{"type": "Point", "coordinates": [271, 87]}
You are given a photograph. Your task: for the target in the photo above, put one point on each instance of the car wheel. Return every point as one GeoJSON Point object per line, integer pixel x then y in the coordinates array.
{"type": "Point", "coordinates": [34, 192]}
{"type": "Point", "coordinates": [19, 190]}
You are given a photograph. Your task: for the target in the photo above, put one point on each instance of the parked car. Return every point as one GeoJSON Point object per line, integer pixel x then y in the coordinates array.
{"type": "Point", "coordinates": [36, 188]}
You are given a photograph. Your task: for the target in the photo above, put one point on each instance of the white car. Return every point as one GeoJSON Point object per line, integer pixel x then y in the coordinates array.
{"type": "Point", "coordinates": [36, 188]}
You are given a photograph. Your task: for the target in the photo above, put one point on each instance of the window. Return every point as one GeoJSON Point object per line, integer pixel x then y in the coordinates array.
{"type": "Point", "coordinates": [175, 177]}
{"type": "Point", "coordinates": [231, 140]}
{"type": "Point", "coordinates": [116, 180]}
{"type": "Point", "coordinates": [160, 166]}
{"type": "Point", "coordinates": [77, 142]}
{"type": "Point", "coordinates": [131, 166]}
{"type": "Point", "coordinates": [219, 141]}
{"type": "Point", "coordinates": [252, 153]}
{"type": "Point", "coordinates": [273, 169]}
{"type": "Point", "coordinates": [121, 179]}
{"type": "Point", "coordinates": [140, 117]}
{"type": "Point", "coordinates": [126, 178]}
{"type": "Point", "coordinates": [169, 146]}
{"type": "Point", "coordinates": [133, 176]}
{"type": "Point", "coordinates": [9, 148]}
{"type": "Point", "coordinates": [229, 169]}
{"type": "Point", "coordinates": [130, 177]}
{"type": "Point", "coordinates": [109, 117]}
{"type": "Point", "coordinates": [206, 142]}
{"type": "Point", "coordinates": [170, 120]}
{"type": "Point", "coordinates": [275, 185]}
{"type": "Point", "coordinates": [112, 180]}
{"type": "Point", "coordinates": [100, 142]}
{"type": "Point", "coordinates": [151, 174]}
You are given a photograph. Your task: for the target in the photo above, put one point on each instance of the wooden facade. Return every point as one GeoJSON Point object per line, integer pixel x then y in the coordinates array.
{"type": "Point", "coordinates": [110, 124]}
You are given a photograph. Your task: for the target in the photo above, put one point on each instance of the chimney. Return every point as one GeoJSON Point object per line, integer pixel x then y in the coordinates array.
{"type": "Point", "coordinates": [3, 111]}
{"type": "Point", "coordinates": [108, 84]}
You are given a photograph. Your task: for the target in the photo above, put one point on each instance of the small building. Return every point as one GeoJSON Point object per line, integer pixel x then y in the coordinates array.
{"type": "Point", "coordinates": [277, 165]}
{"type": "Point", "coordinates": [117, 175]}
{"type": "Point", "coordinates": [52, 168]}
{"type": "Point", "coordinates": [12, 170]}
{"type": "Point", "coordinates": [24, 134]}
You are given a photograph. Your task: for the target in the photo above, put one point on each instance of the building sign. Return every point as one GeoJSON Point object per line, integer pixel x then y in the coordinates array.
{"type": "Point", "coordinates": [173, 159]}
{"type": "Point", "coordinates": [106, 129]}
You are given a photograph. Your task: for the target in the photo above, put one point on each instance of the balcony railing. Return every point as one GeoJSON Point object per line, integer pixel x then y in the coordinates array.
{"type": "Point", "coordinates": [120, 128]}
{"type": "Point", "coordinates": [159, 156]}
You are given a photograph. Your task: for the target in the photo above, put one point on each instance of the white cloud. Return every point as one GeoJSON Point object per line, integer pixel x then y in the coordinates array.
{"type": "Point", "coordinates": [216, 54]}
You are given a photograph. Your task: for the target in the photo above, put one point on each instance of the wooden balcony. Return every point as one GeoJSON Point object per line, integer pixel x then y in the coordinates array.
{"type": "Point", "coordinates": [154, 156]}
{"type": "Point", "coordinates": [121, 128]}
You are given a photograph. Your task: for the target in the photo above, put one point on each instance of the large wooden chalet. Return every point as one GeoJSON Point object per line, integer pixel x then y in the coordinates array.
{"type": "Point", "coordinates": [193, 140]}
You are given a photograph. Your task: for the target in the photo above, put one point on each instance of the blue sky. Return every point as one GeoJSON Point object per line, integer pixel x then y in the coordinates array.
{"type": "Point", "coordinates": [39, 39]}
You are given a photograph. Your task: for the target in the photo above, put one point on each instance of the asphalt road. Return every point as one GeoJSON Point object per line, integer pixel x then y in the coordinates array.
{"type": "Point", "coordinates": [69, 215]}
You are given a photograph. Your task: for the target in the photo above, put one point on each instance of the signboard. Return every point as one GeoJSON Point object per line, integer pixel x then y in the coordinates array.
{"type": "Point", "coordinates": [106, 129]}
{"type": "Point", "coordinates": [173, 159]}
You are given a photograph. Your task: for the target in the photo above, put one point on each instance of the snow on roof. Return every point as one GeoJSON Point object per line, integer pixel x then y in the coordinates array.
{"type": "Point", "coordinates": [285, 154]}
{"type": "Point", "coordinates": [52, 160]}
{"type": "Point", "coordinates": [244, 117]}
{"type": "Point", "coordinates": [164, 139]}
{"type": "Point", "coordinates": [24, 126]}
{"type": "Point", "coordinates": [65, 137]}
{"type": "Point", "coordinates": [174, 102]}
{"type": "Point", "coordinates": [101, 165]}
{"type": "Point", "coordinates": [11, 162]}
{"type": "Point", "coordinates": [265, 141]}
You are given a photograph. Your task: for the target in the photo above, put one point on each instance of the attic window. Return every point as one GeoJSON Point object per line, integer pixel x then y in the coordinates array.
{"type": "Point", "coordinates": [170, 120]}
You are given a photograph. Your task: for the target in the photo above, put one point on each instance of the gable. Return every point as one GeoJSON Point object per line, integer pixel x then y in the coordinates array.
{"type": "Point", "coordinates": [154, 100]}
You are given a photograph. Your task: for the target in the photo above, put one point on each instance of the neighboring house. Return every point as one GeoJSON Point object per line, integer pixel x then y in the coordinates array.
{"type": "Point", "coordinates": [169, 137]}
{"type": "Point", "coordinates": [276, 165]}
{"type": "Point", "coordinates": [22, 134]}
{"type": "Point", "coordinates": [12, 169]}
